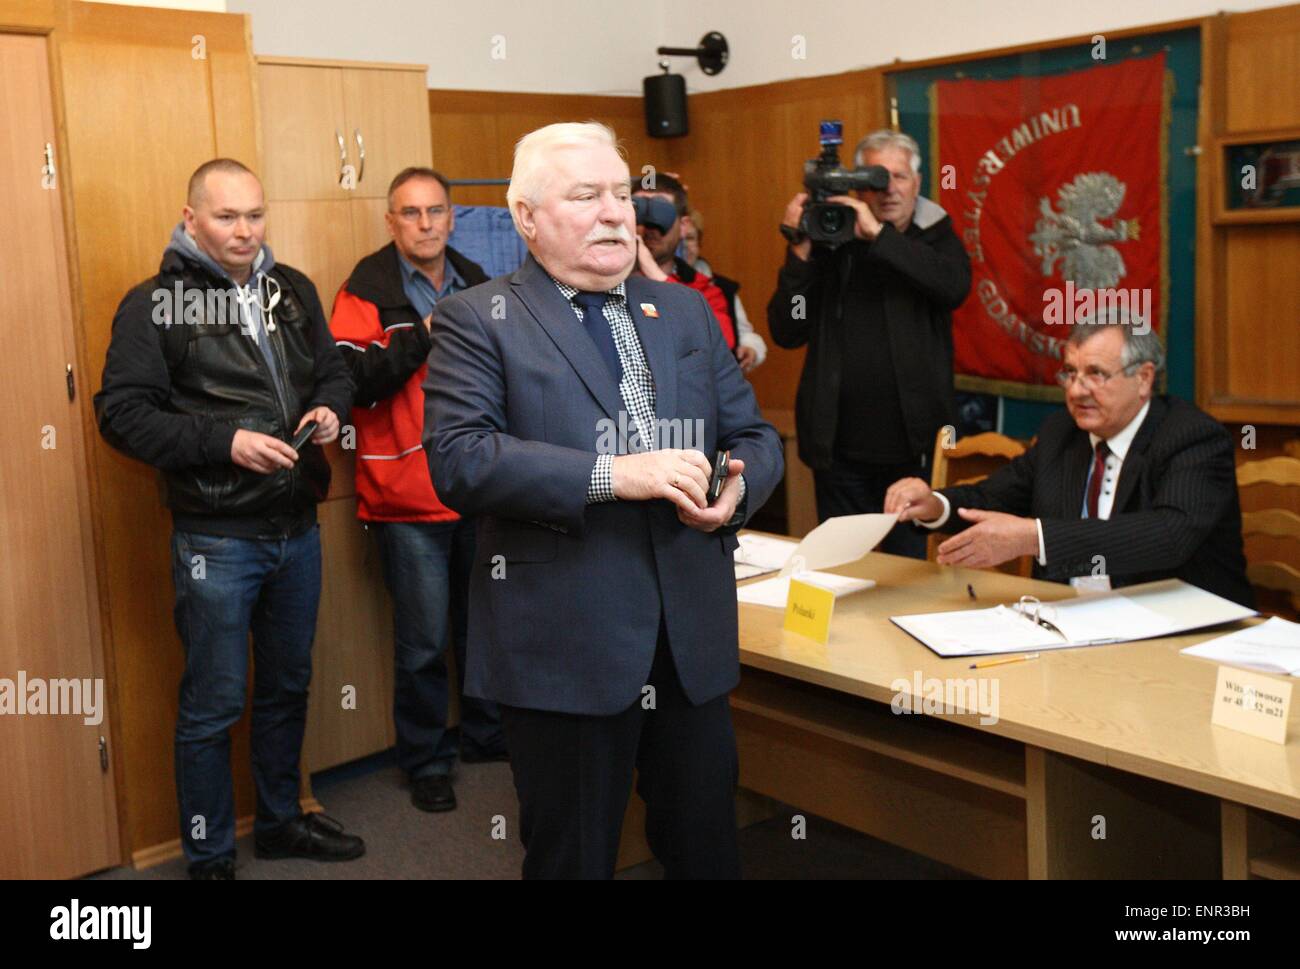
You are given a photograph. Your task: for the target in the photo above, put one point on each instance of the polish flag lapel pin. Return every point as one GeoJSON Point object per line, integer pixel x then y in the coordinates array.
{"type": "Point", "coordinates": [650, 311]}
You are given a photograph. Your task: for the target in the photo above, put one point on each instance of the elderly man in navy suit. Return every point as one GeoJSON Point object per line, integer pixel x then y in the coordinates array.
{"type": "Point", "coordinates": [575, 411]}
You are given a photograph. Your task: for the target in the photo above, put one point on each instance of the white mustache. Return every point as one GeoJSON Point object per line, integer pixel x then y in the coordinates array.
{"type": "Point", "coordinates": [604, 234]}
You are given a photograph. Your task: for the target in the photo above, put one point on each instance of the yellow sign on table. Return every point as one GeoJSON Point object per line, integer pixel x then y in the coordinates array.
{"type": "Point", "coordinates": [1252, 703]}
{"type": "Point", "coordinates": [808, 610]}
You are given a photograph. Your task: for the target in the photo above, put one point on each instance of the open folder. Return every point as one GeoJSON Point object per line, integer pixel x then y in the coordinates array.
{"type": "Point", "coordinates": [1146, 611]}
{"type": "Point", "coordinates": [836, 541]}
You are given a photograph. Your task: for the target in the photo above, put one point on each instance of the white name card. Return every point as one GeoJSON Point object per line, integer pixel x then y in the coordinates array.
{"type": "Point", "coordinates": [1252, 703]}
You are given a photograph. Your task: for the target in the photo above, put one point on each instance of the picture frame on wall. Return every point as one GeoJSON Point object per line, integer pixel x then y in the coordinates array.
{"type": "Point", "coordinates": [1258, 177]}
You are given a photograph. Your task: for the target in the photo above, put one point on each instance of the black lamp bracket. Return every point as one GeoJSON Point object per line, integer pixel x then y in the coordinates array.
{"type": "Point", "coordinates": [711, 54]}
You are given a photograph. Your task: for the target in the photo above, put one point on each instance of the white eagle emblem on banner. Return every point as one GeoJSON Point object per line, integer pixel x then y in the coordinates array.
{"type": "Point", "coordinates": [1076, 234]}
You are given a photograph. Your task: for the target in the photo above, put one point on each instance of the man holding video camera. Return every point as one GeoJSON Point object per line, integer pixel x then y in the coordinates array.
{"type": "Point", "coordinates": [874, 308]}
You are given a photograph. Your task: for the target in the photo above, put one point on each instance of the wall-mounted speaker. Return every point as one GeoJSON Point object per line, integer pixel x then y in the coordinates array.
{"type": "Point", "coordinates": [665, 106]}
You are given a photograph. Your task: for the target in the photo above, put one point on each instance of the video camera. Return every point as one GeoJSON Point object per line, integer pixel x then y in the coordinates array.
{"type": "Point", "coordinates": [829, 223]}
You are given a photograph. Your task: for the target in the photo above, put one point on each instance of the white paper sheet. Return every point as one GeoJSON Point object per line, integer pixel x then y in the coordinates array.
{"type": "Point", "coordinates": [1273, 647]}
{"type": "Point", "coordinates": [762, 553]}
{"type": "Point", "coordinates": [775, 591]}
{"type": "Point", "coordinates": [839, 541]}
{"type": "Point", "coordinates": [1104, 618]}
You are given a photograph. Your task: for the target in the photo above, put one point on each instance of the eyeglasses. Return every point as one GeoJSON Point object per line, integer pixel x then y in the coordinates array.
{"type": "Point", "coordinates": [1093, 377]}
{"type": "Point", "coordinates": [412, 214]}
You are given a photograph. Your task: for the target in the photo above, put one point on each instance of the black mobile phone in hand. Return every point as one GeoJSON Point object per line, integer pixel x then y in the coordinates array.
{"type": "Point", "coordinates": [721, 461]}
{"type": "Point", "coordinates": [304, 435]}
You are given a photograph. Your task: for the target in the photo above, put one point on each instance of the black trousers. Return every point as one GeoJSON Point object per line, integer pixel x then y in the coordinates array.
{"type": "Point", "coordinates": [573, 775]}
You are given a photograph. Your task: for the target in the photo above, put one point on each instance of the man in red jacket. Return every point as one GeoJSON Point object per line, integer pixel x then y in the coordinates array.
{"type": "Point", "coordinates": [381, 324]}
{"type": "Point", "coordinates": [657, 256]}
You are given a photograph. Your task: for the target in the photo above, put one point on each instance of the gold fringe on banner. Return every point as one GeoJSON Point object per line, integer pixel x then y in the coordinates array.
{"type": "Point", "coordinates": [933, 96]}
{"type": "Point", "coordinates": [1048, 393]}
{"type": "Point", "coordinates": [1166, 122]}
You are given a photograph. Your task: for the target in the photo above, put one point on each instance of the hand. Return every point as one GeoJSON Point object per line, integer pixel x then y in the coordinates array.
{"type": "Point", "coordinates": [719, 513]}
{"type": "Point", "coordinates": [867, 225]}
{"type": "Point", "coordinates": [261, 452]}
{"type": "Point", "coordinates": [913, 501]}
{"type": "Point", "coordinates": [328, 421]}
{"type": "Point", "coordinates": [747, 357]}
{"type": "Point", "coordinates": [995, 538]}
{"type": "Point", "coordinates": [645, 262]}
{"type": "Point", "coordinates": [793, 216]}
{"type": "Point", "coordinates": [679, 476]}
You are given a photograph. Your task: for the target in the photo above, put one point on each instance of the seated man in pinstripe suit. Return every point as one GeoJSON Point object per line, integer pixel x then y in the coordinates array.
{"type": "Point", "coordinates": [1126, 487]}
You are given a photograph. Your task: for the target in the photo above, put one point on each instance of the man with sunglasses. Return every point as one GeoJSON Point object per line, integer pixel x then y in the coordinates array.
{"type": "Point", "coordinates": [381, 322]}
{"type": "Point", "coordinates": [1126, 486]}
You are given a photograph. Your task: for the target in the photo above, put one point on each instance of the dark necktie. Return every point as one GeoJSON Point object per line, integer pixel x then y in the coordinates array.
{"type": "Point", "coordinates": [1094, 481]}
{"type": "Point", "coordinates": [593, 319]}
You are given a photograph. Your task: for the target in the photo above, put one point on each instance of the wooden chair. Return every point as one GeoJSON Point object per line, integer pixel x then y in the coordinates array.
{"type": "Point", "coordinates": [969, 460]}
{"type": "Point", "coordinates": [1277, 530]}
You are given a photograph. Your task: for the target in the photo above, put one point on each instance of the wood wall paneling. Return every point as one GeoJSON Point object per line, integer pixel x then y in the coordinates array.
{"type": "Point", "coordinates": [1248, 309]}
{"type": "Point", "coordinates": [1262, 323]}
{"type": "Point", "coordinates": [1262, 69]}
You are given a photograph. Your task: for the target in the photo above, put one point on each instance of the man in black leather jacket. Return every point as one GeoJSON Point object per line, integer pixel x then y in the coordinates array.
{"type": "Point", "coordinates": [215, 364]}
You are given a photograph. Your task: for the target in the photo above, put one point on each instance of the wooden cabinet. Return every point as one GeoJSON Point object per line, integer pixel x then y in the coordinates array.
{"type": "Point", "coordinates": [58, 811]}
{"type": "Point", "coordinates": [1247, 303]}
{"type": "Point", "coordinates": [388, 116]}
{"type": "Point", "coordinates": [323, 225]}
{"type": "Point", "coordinates": [336, 130]}
{"type": "Point", "coordinates": [351, 707]}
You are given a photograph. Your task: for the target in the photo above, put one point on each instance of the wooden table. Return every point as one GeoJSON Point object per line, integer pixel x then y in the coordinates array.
{"type": "Point", "coordinates": [1102, 762]}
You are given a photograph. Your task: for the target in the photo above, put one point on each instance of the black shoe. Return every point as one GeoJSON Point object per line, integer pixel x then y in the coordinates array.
{"type": "Point", "coordinates": [477, 755]}
{"type": "Point", "coordinates": [221, 870]}
{"type": "Point", "coordinates": [313, 836]}
{"type": "Point", "coordinates": [433, 793]}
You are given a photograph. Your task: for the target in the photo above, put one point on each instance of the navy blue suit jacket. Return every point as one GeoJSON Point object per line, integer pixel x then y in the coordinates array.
{"type": "Point", "coordinates": [517, 399]}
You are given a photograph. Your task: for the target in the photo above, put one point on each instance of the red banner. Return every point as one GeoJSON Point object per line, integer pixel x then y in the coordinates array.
{"type": "Point", "coordinates": [1056, 186]}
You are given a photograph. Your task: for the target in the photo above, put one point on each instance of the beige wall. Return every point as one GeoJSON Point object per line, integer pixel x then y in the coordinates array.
{"type": "Point", "coordinates": [598, 47]}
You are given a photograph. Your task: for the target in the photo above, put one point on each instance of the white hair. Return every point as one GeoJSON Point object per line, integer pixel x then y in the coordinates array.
{"type": "Point", "coordinates": [888, 138]}
{"type": "Point", "coordinates": [532, 168]}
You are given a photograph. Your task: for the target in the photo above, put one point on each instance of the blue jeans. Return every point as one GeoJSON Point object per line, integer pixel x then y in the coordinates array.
{"type": "Point", "coordinates": [849, 488]}
{"type": "Point", "coordinates": [427, 566]}
{"type": "Point", "coordinates": [225, 588]}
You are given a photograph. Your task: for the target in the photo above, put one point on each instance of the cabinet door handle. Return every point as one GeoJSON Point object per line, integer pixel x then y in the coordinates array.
{"type": "Point", "coordinates": [361, 155]}
{"type": "Point", "coordinates": [343, 156]}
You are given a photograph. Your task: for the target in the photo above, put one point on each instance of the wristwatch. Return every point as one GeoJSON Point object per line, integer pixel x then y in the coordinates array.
{"type": "Point", "coordinates": [793, 236]}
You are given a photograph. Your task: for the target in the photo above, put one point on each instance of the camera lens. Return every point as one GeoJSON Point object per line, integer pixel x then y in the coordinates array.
{"type": "Point", "coordinates": [830, 220]}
